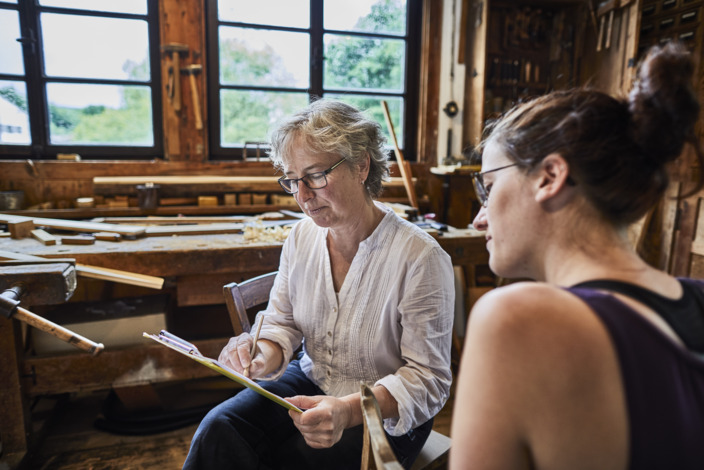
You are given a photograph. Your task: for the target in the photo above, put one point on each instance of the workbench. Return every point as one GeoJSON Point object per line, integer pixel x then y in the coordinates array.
{"type": "Point", "coordinates": [195, 268]}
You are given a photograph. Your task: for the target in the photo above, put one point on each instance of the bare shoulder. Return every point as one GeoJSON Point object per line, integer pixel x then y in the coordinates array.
{"type": "Point", "coordinates": [528, 303]}
{"type": "Point", "coordinates": [540, 352]}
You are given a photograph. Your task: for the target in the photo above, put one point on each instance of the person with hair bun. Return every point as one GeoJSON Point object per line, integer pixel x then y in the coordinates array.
{"type": "Point", "coordinates": [369, 297]}
{"type": "Point", "coordinates": [599, 362]}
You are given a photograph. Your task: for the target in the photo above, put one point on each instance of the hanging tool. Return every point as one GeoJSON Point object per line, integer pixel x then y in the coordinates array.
{"type": "Point", "coordinates": [192, 70]}
{"type": "Point", "coordinates": [174, 80]}
{"type": "Point", "coordinates": [44, 282]}
{"type": "Point", "coordinates": [403, 166]}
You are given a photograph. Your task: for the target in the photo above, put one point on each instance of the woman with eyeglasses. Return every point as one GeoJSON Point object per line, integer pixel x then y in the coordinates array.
{"type": "Point", "coordinates": [368, 296]}
{"type": "Point", "coordinates": [598, 364]}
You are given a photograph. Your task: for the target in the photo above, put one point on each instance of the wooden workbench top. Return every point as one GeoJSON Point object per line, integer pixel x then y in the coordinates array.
{"type": "Point", "coordinates": [195, 254]}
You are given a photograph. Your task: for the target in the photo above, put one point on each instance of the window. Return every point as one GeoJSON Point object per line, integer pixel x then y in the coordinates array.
{"type": "Point", "coordinates": [79, 76]}
{"type": "Point", "coordinates": [270, 58]}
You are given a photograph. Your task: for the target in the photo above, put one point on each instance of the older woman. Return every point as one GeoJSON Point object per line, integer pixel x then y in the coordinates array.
{"type": "Point", "coordinates": [599, 364]}
{"type": "Point", "coordinates": [368, 295]}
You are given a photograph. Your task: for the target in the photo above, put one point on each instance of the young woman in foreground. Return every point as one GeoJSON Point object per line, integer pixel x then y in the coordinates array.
{"type": "Point", "coordinates": [559, 374]}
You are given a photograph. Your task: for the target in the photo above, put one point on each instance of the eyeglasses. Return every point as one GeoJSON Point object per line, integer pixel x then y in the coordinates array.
{"type": "Point", "coordinates": [478, 183]}
{"type": "Point", "coordinates": [312, 180]}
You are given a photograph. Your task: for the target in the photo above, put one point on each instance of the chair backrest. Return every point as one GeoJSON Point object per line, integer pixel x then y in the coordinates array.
{"type": "Point", "coordinates": [239, 297]}
{"type": "Point", "coordinates": [376, 451]}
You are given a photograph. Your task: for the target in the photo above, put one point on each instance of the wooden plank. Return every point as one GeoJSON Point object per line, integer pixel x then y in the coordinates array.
{"type": "Point", "coordinates": [185, 185]}
{"type": "Point", "coordinates": [698, 243]}
{"type": "Point", "coordinates": [207, 229]}
{"type": "Point", "coordinates": [44, 237]}
{"type": "Point", "coordinates": [669, 225]}
{"type": "Point", "coordinates": [115, 275]}
{"type": "Point", "coordinates": [77, 225]}
{"type": "Point", "coordinates": [107, 236]}
{"type": "Point", "coordinates": [224, 219]}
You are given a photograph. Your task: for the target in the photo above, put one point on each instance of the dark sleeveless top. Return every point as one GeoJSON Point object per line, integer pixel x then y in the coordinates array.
{"type": "Point", "coordinates": [663, 382]}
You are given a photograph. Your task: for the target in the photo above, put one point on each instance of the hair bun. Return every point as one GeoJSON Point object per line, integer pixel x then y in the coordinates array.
{"type": "Point", "coordinates": [662, 103]}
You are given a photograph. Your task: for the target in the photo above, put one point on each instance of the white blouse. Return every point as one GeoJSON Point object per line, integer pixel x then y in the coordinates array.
{"type": "Point", "coordinates": [391, 326]}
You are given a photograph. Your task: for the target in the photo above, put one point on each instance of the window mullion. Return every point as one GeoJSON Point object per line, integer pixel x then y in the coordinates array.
{"type": "Point", "coordinates": [316, 48]}
{"type": "Point", "coordinates": [33, 74]}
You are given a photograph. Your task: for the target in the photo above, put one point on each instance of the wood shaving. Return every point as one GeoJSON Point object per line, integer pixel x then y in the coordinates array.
{"type": "Point", "coordinates": [257, 232]}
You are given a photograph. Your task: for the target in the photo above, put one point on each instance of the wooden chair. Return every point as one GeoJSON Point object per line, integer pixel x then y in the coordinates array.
{"type": "Point", "coordinates": [240, 297]}
{"type": "Point", "coordinates": [376, 451]}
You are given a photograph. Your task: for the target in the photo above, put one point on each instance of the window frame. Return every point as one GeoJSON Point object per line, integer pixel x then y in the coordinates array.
{"type": "Point", "coordinates": [410, 92]}
{"type": "Point", "coordinates": [36, 80]}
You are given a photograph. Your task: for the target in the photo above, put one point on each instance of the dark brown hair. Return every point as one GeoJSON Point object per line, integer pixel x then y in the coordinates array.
{"type": "Point", "coordinates": [617, 148]}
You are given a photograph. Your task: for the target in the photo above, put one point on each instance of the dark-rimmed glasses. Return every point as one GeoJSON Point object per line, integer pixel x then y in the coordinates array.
{"type": "Point", "coordinates": [478, 183]}
{"type": "Point", "coordinates": [316, 180]}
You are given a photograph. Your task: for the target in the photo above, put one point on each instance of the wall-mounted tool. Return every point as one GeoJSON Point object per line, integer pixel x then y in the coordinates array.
{"type": "Point", "coordinates": [174, 80]}
{"type": "Point", "coordinates": [192, 70]}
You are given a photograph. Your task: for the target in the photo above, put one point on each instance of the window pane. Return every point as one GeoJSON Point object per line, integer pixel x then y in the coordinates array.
{"type": "Point", "coordinates": [10, 50]}
{"type": "Point", "coordinates": [14, 121]}
{"type": "Point", "coordinates": [100, 114]}
{"type": "Point", "coordinates": [248, 115]}
{"type": "Point", "coordinates": [372, 106]}
{"type": "Point", "coordinates": [374, 16]}
{"type": "Point", "coordinates": [92, 47]}
{"type": "Point", "coordinates": [354, 63]}
{"type": "Point", "coordinates": [292, 13]}
{"type": "Point", "coordinates": [138, 7]}
{"type": "Point", "coordinates": [263, 58]}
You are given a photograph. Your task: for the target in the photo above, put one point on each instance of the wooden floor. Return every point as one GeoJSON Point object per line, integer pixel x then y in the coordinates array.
{"type": "Point", "coordinates": [72, 441]}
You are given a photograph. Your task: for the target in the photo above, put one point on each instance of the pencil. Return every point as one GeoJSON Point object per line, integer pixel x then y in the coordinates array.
{"type": "Point", "coordinates": [254, 344]}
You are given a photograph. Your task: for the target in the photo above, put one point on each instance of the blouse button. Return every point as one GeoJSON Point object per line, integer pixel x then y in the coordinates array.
{"type": "Point", "coordinates": [330, 334]}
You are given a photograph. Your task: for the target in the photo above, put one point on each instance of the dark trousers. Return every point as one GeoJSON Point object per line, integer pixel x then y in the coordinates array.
{"type": "Point", "coordinates": [249, 431]}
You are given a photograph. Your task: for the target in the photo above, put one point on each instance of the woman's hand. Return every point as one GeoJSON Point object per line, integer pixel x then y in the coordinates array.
{"type": "Point", "coordinates": [324, 419]}
{"type": "Point", "coordinates": [237, 356]}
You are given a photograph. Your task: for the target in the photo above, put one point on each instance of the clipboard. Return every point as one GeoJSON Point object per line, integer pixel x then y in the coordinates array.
{"type": "Point", "coordinates": [190, 350]}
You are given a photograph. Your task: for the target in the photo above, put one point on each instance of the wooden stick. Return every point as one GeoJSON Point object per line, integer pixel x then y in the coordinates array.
{"type": "Point", "coordinates": [403, 165]}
